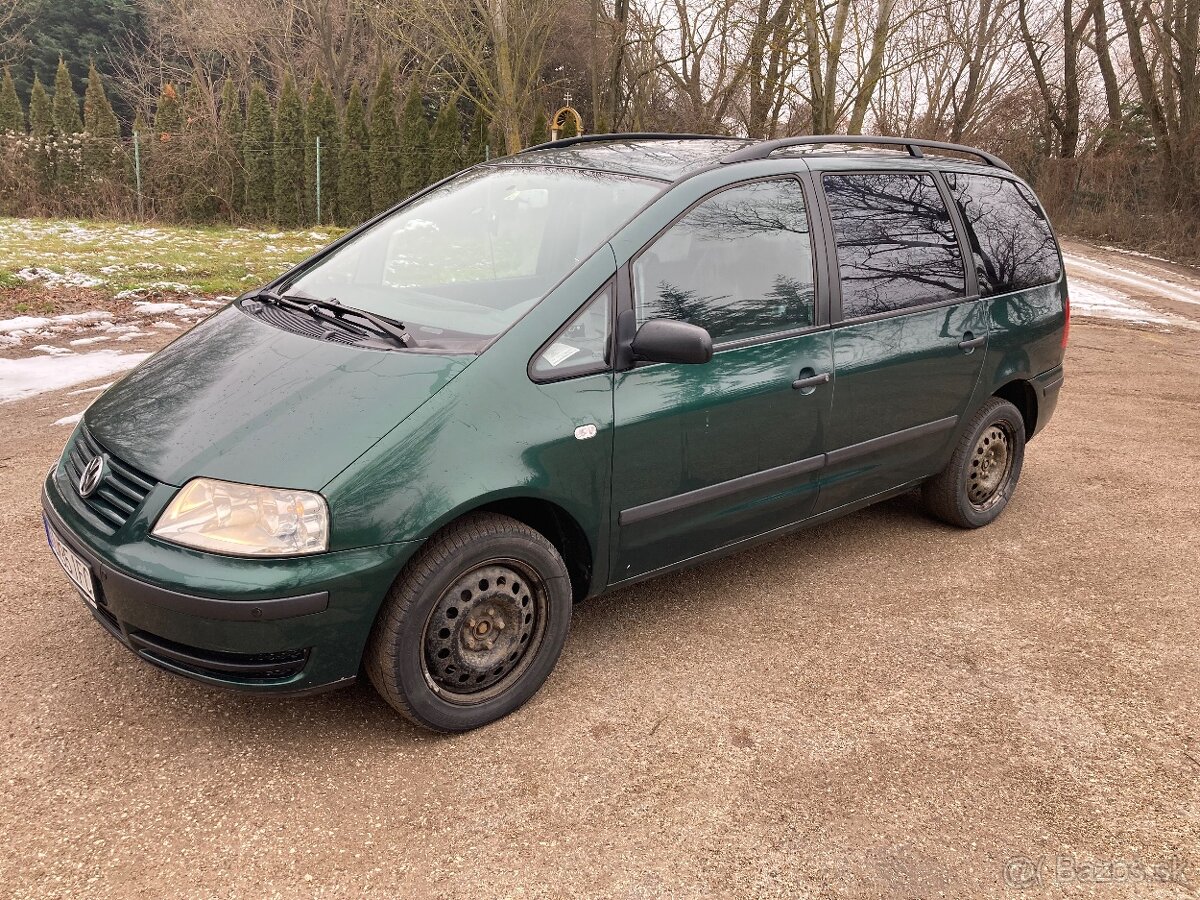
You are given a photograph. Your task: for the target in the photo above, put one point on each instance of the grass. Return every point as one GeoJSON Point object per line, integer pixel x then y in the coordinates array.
{"type": "Point", "coordinates": [120, 256]}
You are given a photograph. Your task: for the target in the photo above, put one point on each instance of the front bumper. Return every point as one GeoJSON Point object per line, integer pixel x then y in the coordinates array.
{"type": "Point", "coordinates": [279, 625]}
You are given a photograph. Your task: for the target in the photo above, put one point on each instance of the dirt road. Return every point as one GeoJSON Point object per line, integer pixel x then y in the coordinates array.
{"type": "Point", "coordinates": [881, 706]}
{"type": "Point", "coordinates": [1123, 285]}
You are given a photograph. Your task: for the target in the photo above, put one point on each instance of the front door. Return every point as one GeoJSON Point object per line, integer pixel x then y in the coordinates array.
{"type": "Point", "coordinates": [707, 455]}
{"type": "Point", "coordinates": [911, 341]}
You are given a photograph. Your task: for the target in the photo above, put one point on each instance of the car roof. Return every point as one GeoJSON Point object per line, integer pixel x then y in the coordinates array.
{"type": "Point", "coordinates": [666, 158]}
{"type": "Point", "coordinates": [670, 157]}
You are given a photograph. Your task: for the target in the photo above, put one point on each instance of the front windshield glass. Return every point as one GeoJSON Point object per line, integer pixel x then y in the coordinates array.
{"type": "Point", "coordinates": [465, 261]}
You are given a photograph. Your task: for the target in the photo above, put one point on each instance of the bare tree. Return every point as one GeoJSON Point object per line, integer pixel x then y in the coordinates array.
{"type": "Point", "coordinates": [1062, 106]}
{"type": "Point", "coordinates": [493, 49]}
{"type": "Point", "coordinates": [335, 39]}
{"type": "Point", "coordinates": [1102, 48]}
{"type": "Point", "coordinates": [775, 55]}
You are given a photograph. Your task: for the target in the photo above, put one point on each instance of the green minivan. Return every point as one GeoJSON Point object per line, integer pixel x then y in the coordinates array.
{"type": "Point", "coordinates": [556, 373]}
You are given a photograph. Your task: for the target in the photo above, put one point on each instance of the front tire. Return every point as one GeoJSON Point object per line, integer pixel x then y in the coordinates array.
{"type": "Point", "coordinates": [982, 475]}
{"type": "Point", "coordinates": [473, 625]}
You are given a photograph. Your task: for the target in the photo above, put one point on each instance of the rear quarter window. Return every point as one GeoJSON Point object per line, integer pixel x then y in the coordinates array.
{"type": "Point", "coordinates": [1010, 238]}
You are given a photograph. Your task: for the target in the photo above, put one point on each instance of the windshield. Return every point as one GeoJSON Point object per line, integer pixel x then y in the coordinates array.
{"type": "Point", "coordinates": [465, 261]}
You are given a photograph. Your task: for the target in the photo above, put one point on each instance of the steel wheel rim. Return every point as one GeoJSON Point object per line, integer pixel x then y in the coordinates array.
{"type": "Point", "coordinates": [484, 631]}
{"type": "Point", "coordinates": [991, 465]}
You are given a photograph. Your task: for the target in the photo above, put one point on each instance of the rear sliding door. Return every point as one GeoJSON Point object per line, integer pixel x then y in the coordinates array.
{"type": "Point", "coordinates": [912, 337]}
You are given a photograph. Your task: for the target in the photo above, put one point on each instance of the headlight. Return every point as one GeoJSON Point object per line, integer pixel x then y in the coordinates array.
{"type": "Point", "coordinates": [244, 520]}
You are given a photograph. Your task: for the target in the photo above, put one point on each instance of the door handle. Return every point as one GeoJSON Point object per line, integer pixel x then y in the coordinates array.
{"type": "Point", "coordinates": [970, 342]}
{"type": "Point", "coordinates": [810, 382]}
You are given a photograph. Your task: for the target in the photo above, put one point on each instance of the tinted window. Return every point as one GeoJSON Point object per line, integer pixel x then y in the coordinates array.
{"type": "Point", "coordinates": [582, 346]}
{"type": "Point", "coordinates": [1010, 237]}
{"type": "Point", "coordinates": [895, 244]}
{"type": "Point", "coordinates": [738, 264]}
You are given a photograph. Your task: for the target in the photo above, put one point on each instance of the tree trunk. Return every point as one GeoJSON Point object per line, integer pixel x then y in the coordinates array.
{"type": "Point", "coordinates": [1145, 77]}
{"type": "Point", "coordinates": [870, 78]}
{"type": "Point", "coordinates": [1108, 75]}
{"type": "Point", "coordinates": [620, 33]}
{"type": "Point", "coordinates": [1069, 134]}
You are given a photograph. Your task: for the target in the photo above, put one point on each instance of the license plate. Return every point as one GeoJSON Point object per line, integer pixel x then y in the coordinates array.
{"type": "Point", "coordinates": [77, 570]}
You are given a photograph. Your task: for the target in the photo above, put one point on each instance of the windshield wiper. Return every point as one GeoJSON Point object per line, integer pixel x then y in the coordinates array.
{"type": "Point", "coordinates": [322, 309]}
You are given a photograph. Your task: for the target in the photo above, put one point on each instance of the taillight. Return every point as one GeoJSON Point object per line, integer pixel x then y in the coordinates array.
{"type": "Point", "coordinates": [1066, 320]}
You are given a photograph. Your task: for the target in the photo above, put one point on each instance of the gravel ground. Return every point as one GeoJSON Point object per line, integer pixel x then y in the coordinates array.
{"type": "Point", "coordinates": [877, 707]}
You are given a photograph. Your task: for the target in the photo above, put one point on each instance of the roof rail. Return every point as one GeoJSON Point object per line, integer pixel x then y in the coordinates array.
{"type": "Point", "coordinates": [629, 136]}
{"type": "Point", "coordinates": [763, 149]}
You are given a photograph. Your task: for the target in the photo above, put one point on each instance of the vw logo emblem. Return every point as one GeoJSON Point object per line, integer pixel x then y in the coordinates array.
{"type": "Point", "coordinates": [93, 474]}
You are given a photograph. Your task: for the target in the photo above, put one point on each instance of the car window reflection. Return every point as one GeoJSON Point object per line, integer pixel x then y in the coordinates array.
{"type": "Point", "coordinates": [739, 264]}
{"type": "Point", "coordinates": [896, 247]}
{"type": "Point", "coordinates": [1010, 238]}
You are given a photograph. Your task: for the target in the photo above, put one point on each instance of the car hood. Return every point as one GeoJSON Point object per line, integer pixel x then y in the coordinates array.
{"type": "Point", "coordinates": [240, 400]}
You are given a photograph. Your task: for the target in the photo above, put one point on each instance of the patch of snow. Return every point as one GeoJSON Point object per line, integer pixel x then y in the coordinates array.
{"type": "Point", "coordinates": [155, 287]}
{"type": "Point", "coordinates": [58, 279]}
{"type": "Point", "coordinates": [27, 377]}
{"type": "Point", "coordinates": [150, 309]}
{"type": "Point", "coordinates": [1105, 303]}
{"type": "Point", "coordinates": [88, 390]}
{"type": "Point", "coordinates": [70, 420]}
{"type": "Point", "coordinates": [1129, 252]}
{"type": "Point", "coordinates": [164, 324]}
{"type": "Point", "coordinates": [51, 350]}
{"type": "Point", "coordinates": [92, 315]}
{"type": "Point", "coordinates": [1138, 280]}
{"type": "Point", "coordinates": [26, 324]}
{"type": "Point", "coordinates": [23, 323]}
{"type": "Point", "coordinates": [78, 342]}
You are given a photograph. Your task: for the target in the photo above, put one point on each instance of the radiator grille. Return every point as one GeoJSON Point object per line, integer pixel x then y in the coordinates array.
{"type": "Point", "coordinates": [122, 489]}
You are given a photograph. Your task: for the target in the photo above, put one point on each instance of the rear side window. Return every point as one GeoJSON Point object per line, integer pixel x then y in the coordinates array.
{"type": "Point", "coordinates": [738, 264]}
{"type": "Point", "coordinates": [895, 245]}
{"type": "Point", "coordinates": [1010, 237]}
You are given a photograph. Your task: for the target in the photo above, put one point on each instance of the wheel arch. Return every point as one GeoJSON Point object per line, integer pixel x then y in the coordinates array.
{"type": "Point", "coordinates": [550, 520]}
{"type": "Point", "coordinates": [1021, 393]}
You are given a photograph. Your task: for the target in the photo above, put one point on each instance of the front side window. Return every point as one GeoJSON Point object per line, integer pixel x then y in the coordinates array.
{"type": "Point", "coordinates": [465, 261]}
{"type": "Point", "coordinates": [1010, 238]}
{"type": "Point", "coordinates": [896, 247]}
{"type": "Point", "coordinates": [738, 264]}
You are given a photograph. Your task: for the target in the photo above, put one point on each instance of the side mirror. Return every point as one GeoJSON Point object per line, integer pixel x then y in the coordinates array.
{"type": "Point", "coordinates": [669, 341]}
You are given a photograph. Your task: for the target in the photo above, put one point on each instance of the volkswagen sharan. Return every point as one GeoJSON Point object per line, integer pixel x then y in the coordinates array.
{"type": "Point", "coordinates": [553, 374]}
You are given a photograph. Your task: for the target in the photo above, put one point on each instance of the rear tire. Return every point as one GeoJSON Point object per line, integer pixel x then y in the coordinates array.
{"type": "Point", "coordinates": [982, 475]}
{"type": "Point", "coordinates": [473, 625]}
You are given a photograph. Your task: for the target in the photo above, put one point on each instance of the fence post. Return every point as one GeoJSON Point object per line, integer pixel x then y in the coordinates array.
{"type": "Point", "coordinates": [137, 171]}
{"type": "Point", "coordinates": [318, 179]}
